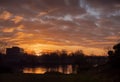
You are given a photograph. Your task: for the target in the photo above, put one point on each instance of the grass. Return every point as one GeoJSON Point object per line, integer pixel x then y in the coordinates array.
{"type": "Point", "coordinates": [47, 78]}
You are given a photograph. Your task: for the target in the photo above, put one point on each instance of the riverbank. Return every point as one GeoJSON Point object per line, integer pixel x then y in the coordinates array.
{"type": "Point", "coordinates": [100, 74]}
{"type": "Point", "coordinates": [46, 78]}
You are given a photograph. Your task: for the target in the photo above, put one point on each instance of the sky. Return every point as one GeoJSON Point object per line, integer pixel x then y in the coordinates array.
{"type": "Point", "coordinates": [45, 25]}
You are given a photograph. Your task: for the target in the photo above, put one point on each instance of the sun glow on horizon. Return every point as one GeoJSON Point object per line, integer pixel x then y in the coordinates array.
{"type": "Point", "coordinates": [38, 49]}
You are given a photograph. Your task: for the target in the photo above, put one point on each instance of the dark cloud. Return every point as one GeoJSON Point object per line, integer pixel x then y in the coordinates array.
{"type": "Point", "coordinates": [87, 23]}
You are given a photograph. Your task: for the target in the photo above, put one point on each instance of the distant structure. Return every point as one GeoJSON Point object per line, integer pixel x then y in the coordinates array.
{"type": "Point", "coordinates": [14, 51]}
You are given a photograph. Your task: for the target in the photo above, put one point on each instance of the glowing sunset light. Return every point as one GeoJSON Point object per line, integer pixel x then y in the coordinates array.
{"type": "Point", "coordinates": [44, 25]}
{"type": "Point", "coordinates": [38, 49]}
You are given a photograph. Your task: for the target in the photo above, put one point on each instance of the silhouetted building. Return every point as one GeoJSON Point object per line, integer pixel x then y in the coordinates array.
{"type": "Point", "coordinates": [14, 51]}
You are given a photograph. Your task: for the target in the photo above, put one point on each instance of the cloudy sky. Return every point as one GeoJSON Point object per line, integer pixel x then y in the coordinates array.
{"type": "Point", "coordinates": [40, 25]}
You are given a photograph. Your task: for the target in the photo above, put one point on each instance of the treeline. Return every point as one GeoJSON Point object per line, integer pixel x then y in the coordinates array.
{"type": "Point", "coordinates": [52, 58]}
{"type": "Point", "coordinates": [62, 57]}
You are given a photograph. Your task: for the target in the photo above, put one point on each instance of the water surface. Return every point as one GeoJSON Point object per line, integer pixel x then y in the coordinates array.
{"type": "Point", "coordinates": [66, 69]}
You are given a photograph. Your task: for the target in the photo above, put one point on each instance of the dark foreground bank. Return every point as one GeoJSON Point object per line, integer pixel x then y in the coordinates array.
{"type": "Point", "coordinates": [46, 78]}
{"type": "Point", "coordinates": [83, 77]}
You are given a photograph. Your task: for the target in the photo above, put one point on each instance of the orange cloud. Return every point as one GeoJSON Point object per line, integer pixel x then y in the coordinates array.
{"type": "Point", "coordinates": [17, 19]}
{"type": "Point", "coordinates": [47, 12]}
{"type": "Point", "coordinates": [112, 37]}
{"type": "Point", "coordinates": [22, 35]}
{"type": "Point", "coordinates": [5, 15]}
{"type": "Point", "coordinates": [20, 27]}
{"type": "Point", "coordinates": [8, 29]}
{"type": "Point", "coordinates": [42, 13]}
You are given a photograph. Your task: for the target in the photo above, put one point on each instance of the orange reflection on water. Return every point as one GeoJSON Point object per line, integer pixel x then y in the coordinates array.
{"type": "Point", "coordinates": [66, 69]}
{"type": "Point", "coordinates": [34, 70]}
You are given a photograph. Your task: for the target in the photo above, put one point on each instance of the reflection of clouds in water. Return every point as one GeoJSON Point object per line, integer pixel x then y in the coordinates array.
{"type": "Point", "coordinates": [66, 69]}
{"type": "Point", "coordinates": [38, 70]}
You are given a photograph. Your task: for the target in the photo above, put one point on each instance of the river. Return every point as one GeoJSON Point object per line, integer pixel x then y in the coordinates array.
{"type": "Point", "coordinates": [66, 69]}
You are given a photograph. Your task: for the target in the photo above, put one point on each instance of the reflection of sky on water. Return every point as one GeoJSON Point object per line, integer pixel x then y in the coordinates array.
{"type": "Point", "coordinates": [68, 69]}
{"type": "Point", "coordinates": [37, 70]}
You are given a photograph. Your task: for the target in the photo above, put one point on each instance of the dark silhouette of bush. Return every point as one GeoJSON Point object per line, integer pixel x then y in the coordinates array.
{"type": "Point", "coordinates": [79, 57]}
{"type": "Point", "coordinates": [114, 56]}
{"type": "Point", "coordinates": [80, 60]}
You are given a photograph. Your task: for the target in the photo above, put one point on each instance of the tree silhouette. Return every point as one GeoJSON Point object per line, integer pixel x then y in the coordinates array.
{"type": "Point", "coordinates": [114, 56]}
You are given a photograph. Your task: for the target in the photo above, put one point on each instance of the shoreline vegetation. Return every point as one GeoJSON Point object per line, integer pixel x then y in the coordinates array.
{"type": "Point", "coordinates": [89, 69]}
{"type": "Point", "coordinates": [14, 59]}
{"type": "Point", "coordinates": [47, 78]}
{"type": "Point", "coordinates": [89, 76]}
